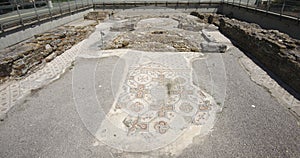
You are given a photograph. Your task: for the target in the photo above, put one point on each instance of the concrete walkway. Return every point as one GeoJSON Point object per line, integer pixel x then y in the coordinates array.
{"type": "Point", "coordinates": [134, 103]}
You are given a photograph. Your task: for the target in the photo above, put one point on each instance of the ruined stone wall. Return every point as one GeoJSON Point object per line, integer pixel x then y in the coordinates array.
{"type": "Point", "coordinates": [275, 50]}
{"type": "Point", "coordinates": [269, 20]}
{"type": "Point", "coordinates": [18, 60]}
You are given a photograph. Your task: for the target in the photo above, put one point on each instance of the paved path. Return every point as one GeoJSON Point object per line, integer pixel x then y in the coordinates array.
{"type": "Point", "coordinates": [113, 102]}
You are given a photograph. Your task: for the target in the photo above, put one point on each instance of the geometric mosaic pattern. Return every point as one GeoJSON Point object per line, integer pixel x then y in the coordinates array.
{"type": "Point", "coordinates": [153, 94]}
{"type": "Point", "coordinates": [156, 103]}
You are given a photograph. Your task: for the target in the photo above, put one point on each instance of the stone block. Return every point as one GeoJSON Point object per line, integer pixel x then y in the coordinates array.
{"type": "Point", "coordinates": [213, 47]}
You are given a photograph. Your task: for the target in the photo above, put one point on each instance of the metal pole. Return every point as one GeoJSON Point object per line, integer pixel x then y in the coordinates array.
{"type": "Point", "coordinates": [76, 5]}
{"type": "Point", "coordinates": [81, 3]}
{"type": "Point", "coordinates": [60, 10]}
{"type": "Point", "coordinates": [49, 7]}
{"type": "Point", "coordinates": [247, 3]}
{"type": "Point", "coordinates": [36, 14]}
{"type": "Point", "coordinates": [69, 6]}
{"type": "Point", "coordinates": [20, 17]}
{"type": "Point", "coordinates": [256, 6]}
{"type": "Point", "coordinates": [282, 8]}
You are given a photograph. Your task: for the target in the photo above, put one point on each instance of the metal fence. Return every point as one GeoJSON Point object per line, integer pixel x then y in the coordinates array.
{"type": "Point", "coordinates": [17, 13]}
{"type": "Point", "coordinates": [282, 7]}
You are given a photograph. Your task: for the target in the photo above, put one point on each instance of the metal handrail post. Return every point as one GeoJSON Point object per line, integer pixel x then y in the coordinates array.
{"type": "Point", "coordinates": [35, 10]}
{"type": "Point", "coordinates": [282, 9]}
{"type": "Point", "coordinates": [81, 3]}
{"type": "Point", "coordinates": [256, 7]}
{"type": "Point", "coordinates": [20, 17]}
{"type": "Point", "coordinates": [268, 7]}
{"type": "Point", "coordinates": [59, 5]}
{"type": "Point", "coordinates": [76, 5]}
{"type": "Point", "coordinates": [247, 3]}
{"type": "Point", "coordinates": [49, 8]}
{"type": "Point", "coordinates": [69, 6]}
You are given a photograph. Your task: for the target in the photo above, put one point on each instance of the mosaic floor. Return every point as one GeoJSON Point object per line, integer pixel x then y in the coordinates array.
{"type": "Point", "coordinates": [155, 104]}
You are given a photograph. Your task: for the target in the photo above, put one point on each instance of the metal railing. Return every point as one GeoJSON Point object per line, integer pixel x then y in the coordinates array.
{"type": "Point", "coordinates": [281, 7]}
{"type": "Point", "coordinates": [18, 13]}
{"type": "Point", "coordinates": [15, 15]}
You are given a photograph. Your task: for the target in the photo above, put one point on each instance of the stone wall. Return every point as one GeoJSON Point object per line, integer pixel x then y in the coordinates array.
{"type": "Point", "coordinates": [275, 50]}
{"type": "Point", "coordinates": [18, 60]}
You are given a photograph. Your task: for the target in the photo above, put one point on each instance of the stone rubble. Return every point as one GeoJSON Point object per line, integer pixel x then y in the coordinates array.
{"type": "Point", "coordinates": [20, 59]}
{"type": "Point", "coordinates": [183, 34]}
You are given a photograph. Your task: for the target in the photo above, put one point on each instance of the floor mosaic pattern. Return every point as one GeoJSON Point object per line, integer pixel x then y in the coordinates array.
{"type": "Point", "coordinates": [156, 103]}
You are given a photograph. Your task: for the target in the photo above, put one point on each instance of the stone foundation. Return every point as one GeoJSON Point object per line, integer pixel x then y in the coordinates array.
{"type": "Point", "coordinates": [18, 60]}
{"type": "Point", "coordinates": [97, 15]}
{"type": "Point", "coordinates": [275, 50]}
